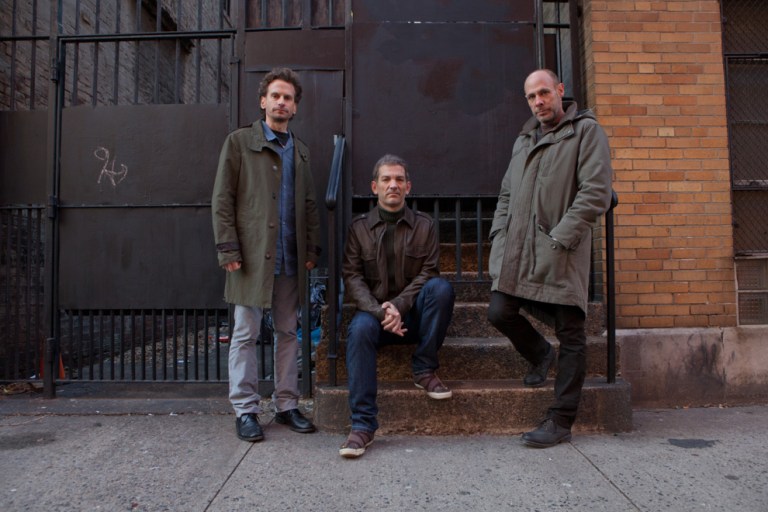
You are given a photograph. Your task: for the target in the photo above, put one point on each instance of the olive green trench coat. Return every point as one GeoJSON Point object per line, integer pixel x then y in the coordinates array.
{"type": "Point", "coordinates": [246, 217]}
{"type": "Point", "coordinates": [551, 195]}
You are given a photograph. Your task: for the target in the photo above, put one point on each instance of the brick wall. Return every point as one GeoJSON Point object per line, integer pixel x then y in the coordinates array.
{"type": "Point", "coordinates": [655, 78]}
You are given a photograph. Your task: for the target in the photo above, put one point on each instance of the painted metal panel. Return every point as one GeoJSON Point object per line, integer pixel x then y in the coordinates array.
{"type": "Point", "coordinates": [153, 258]}
{"type": "Point", "coordinates": [23, 149]}
{"type": "Point", "coordinates": [296, 49]}
{"type": "Point", "coordinates": [366, 11]}
{"type": "Point", "coordinates": [132, 233]}
{"type": "Point", "coordinates": [140, 154]}
{"type": "Point", "coordinates": [446, 97]}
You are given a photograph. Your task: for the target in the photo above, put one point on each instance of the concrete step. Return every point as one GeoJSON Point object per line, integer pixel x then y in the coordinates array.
{"type": "Point", "coordinates": [460, 359]}
{"type": "Point", "coordinates": [477, 407]}
{"type": "Point", "coordinates": [470, 320]}
{"type": "Point", "coordinates": [468, 288]}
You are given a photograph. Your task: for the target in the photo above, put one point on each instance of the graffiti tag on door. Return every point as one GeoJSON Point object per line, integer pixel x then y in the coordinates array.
{"type": "Point", "coordinates": [108, 171]}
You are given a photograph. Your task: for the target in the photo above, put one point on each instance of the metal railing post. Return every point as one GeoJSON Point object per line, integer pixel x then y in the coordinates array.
{"type": "Point", "coordinates": [611, 292]}
{"type": "Point", "coordinates": [334, 269]}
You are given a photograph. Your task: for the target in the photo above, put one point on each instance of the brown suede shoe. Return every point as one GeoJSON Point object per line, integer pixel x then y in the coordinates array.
{"type": "Point", "coordinates": [356, 443]}
{"type": "Point", "coordinates": [432, 384]}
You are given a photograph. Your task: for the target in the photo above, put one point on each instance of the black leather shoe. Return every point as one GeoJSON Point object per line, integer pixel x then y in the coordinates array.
{"type": "Point", "coordinates": [547, 434]}
{"type": "Point", "coordinates": [295, 421]}
{"type": "Point", "coordinates": [248, 428]}
{"type": "Point", "coordinates": [537, 374]}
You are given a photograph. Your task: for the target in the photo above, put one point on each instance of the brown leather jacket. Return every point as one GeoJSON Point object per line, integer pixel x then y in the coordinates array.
{"type": "Point", "coordinates": [365, 260]}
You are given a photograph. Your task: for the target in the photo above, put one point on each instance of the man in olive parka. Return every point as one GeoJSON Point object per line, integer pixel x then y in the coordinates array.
{"type": "Point", "coordinates": [557, 185]}
{"type": "Point", "coordinates": [266, 229]}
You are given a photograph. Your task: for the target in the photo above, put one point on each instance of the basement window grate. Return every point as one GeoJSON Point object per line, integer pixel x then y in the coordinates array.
{"type": "Point", "coordinates": [752, 286]}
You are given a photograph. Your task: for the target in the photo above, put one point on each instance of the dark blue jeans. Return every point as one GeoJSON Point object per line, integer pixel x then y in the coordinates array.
{"type": "Point", "coordinates": [504, 314]}
{"type": "Point", "coordinates": [427, 323]}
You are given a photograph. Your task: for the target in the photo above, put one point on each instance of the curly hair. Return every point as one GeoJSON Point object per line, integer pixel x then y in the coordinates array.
{"type": "Point", "coordinates": [284, 74]}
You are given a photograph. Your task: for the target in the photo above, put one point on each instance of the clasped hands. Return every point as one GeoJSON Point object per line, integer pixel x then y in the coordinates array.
{"type": "Point", "coordinates": [392, 321]}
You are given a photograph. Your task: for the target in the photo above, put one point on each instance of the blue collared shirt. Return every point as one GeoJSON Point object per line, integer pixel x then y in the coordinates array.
{"type": "Point", "coordinates": [287, 261]}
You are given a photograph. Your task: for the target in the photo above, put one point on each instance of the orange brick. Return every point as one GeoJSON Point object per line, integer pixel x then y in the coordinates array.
{"type": "Point", "coordinates": [655, 322]}
{"type": "Point", "coordinates": [653, 209]}
{"type": "Point", "coordinates": [722, 275]}
{"type": "Point", "coordinates": [671, 287]}
{"type": "Point", "coordinates": [685, 186]}
{"type": "Point", "coordinates": [690, 275]}
{"type": "Point", "coordinates": [636, 310]}
{"type": "Point", "coordinates": [673, 310]}
{"type": "Point", "coordinates": [721, 298]}
{"type": "Point", "coordinates": [654, 231]}
{"type": "Point", "coordinates": [630, 265]}
{"type": "Point", "coordinates": [634, 287]}
{"type": "Point", "coordinates": [708, 286]}
{"type": "Point", "coordinates": [653, 254]}
{"type": "Point", "coordinates": [626, 27]}
{"type": "Point", "coordinates": [626, 299]}
{"type": "Point", "coordinates": [627, 322]}
{"type": "Point", "coordinates": [708, 309]}
{"type": "Point", "coordinates": [691, 298]}
{"type": "Point", "coordinates": [656, 299]}
{"type": "Point", "coordinates": [634, 243]}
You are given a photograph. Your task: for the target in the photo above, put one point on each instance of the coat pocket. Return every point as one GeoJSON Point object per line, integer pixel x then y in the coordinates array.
{"type": "Point", "coordinates": [496, 257]}
{"type": "Point", "coordinates": [550, 259]}
{"type": "Point", "coordinates": [370, 267]}
{"type": "Point", "coordinates": [414, 260]}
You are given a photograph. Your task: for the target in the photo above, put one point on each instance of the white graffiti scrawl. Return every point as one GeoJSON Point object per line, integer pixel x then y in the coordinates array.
{"type": "Point", "coordinates": [108, 169]}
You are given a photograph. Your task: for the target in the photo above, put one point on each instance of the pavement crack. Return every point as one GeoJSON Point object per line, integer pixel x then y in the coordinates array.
{"type": "Point", "coordinates": [229, 476]}
{"type": "Point", "coordinates": [607, 478]}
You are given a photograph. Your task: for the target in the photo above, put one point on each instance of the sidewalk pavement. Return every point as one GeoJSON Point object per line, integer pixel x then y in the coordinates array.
{"type": "Point", "coordinates": [78, 453]}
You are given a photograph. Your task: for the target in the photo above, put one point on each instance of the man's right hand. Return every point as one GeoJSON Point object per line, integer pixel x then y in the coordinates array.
{"type": "Point", "coordinates": [392, 321]}
{"type": "Point", "coordinates": [232, 266]}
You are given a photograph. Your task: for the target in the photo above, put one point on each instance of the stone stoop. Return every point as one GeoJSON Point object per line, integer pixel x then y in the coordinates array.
{"type": "Point", "coordinates": [476, 407]}
{"type": "Point", "coordinates": [485, 373]}
{"type": "Point", "coordinates": [461, 359]}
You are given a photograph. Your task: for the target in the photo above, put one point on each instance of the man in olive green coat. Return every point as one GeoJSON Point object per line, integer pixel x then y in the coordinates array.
{"type": "Point", "coordinates": [557, 185]}
{"type": "Point", "coordinates": [266, 230]}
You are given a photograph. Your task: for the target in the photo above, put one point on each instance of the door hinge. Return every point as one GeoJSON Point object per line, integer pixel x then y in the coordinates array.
{"type": "Point", "coordinates": [52, 207]}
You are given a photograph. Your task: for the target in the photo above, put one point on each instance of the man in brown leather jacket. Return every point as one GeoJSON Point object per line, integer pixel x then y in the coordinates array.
{"type": "Point", "coordinates": [391, 272]}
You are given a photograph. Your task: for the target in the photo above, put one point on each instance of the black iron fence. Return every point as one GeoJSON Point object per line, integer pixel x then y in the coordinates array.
{"type": "Point", "coordinates": [745, 47]}
{"type": "Point", "coordinates": [22, 261]}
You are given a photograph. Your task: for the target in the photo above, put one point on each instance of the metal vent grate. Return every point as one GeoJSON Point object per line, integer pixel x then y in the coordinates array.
{"type": "Point", "coordinates": [752, 274]}
{"type": "Point", "coordinates": [753, 308]}
{"type": "Point", "coordinates": [752, 285]}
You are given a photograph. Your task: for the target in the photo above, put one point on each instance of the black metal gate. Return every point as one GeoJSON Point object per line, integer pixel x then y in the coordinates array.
{"type": "Point", "coordinates": [140, 113]}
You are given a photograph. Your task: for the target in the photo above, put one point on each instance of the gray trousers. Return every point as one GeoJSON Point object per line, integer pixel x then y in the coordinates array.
{"type": "Point", "coordinates": [243, 351]}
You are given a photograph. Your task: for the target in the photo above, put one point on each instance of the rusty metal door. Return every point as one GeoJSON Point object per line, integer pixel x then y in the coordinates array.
{"type": "Point", "coordinates": [426, 76]}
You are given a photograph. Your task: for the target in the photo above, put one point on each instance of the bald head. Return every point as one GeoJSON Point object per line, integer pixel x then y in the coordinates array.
{"type": "Point", "coordinates": [544, 93]}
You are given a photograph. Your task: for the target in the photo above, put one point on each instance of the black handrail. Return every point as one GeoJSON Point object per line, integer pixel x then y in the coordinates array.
{"type": "Point", "coordinates": [335, 296]}
{"type": "Point", "coordinates": [610, 302]}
